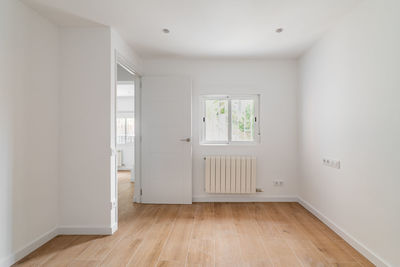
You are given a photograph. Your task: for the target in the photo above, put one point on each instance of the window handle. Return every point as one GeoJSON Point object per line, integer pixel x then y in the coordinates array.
{"type": "Point", "coordinates": [185, 139]}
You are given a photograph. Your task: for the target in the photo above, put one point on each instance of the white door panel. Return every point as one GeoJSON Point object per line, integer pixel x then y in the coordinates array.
{"type": "Point", "coordinates": [166, 160]}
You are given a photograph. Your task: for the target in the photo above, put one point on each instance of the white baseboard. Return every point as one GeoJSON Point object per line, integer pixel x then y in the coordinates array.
{"type": "Point", "coordinates": [137, 199]}
{"type": "Point", "coordinates": [343, 234]}
{"type": "Point", "coordinates": [84, 230]}
{"type": "Point", "coordinates": [35, 244]}
{"type": "Point", "coordinates": [114, 228]}
{"type": "Point", "coordinates": [243, 198]}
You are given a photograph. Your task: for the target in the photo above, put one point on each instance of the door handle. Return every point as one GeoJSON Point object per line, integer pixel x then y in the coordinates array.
{"type": "Point", "coordinates": [185, 140]}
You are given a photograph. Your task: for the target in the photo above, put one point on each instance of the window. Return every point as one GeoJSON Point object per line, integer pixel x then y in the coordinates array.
{"type": "Point", "coordinates": [229, 119]}
{"type": "Point", "coordinates": [125, 131]}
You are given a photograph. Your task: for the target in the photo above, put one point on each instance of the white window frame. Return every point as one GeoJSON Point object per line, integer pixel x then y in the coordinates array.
{"type": "Point", "coordinates": [256, 119]}
{"type": "Point", "coordinates": [125, 115]}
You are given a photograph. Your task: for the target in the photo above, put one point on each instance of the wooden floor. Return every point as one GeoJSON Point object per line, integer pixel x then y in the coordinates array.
{"type": "Point", "coordinates": [203, 234]}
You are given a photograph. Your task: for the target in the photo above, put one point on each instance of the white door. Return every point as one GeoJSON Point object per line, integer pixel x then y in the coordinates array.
{"type": "Point", "coordinates": [166, 140]}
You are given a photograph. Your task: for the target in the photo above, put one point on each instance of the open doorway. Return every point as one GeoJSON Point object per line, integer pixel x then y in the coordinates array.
{"type": "Point", "coordinates": [125, 138]}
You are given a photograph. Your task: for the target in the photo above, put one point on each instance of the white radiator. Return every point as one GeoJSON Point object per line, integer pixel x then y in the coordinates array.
{"type": "Point", "coordinates": [230, 174]}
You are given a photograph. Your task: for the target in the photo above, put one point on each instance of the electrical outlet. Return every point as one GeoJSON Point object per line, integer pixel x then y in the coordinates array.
{"type": "Point", "coordinates": [277, 182]}
{"type": "Point", "coordinates": [331, 163]}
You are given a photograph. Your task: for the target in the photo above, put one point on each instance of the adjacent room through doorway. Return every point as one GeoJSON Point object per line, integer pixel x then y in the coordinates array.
{"type": "Point", "coordinates": [125, 137]}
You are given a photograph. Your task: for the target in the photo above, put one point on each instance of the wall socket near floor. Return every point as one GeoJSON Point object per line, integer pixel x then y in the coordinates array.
{"type": "Point", "coordinates": [331, 163]}
{"type": "Point", "coordinates": [277, 182]}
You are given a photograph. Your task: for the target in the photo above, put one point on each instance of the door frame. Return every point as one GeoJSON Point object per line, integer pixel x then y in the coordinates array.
{"type": "Point", "coordinates": [126, 64]}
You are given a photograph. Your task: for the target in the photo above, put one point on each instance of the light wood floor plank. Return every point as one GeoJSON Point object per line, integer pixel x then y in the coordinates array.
{"type": "Point", "coordinates": [227, 250]}
{"type": "Point", "coordinates": [170, 264]}
{"type": "Point", "coordinates": [176, 248]}
{"type": "Point", "coordinates": [153, 241]}
{"type": "Point", "coordinates": [122, 252]}
{"type": "Point", "coordinates": [201, 252]}
{"type": "Point", "coordinates": [46, 251]}
{"type": "Point", "coordinates": [202, 235]}
{"type": "Point", "coordinates": [65, 256]}
{"type": "Point", "coordinates": [84, 263]}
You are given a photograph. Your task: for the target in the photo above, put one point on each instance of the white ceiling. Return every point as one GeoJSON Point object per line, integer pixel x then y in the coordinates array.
{"type": "Point", "coordinates": [206, 28]}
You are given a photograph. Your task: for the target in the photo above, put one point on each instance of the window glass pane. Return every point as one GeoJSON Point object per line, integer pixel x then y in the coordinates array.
{"type": "Point", "coordinates": [242, 119]}
{"type": "Point", "coordinates": [120, 131]}
{"type": "Point", "coordinates": [130, 130]}
{"type": "Point", "coordinates": [216, 120]}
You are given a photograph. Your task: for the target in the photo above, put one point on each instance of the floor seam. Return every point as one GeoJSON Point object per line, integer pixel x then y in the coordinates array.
{"type": "Point", "coordinates": [169, 234]}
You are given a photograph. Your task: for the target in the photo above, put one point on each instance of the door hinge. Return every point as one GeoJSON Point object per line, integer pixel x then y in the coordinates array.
{"type": "Point", "coordinates": [141, 192]}
{"type": "Point", "coordinates": [204, 119]}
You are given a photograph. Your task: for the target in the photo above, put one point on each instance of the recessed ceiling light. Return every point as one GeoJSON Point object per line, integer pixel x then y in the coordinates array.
{"type": "Point", "coordinates": [279, 30]}
{"type": "Point", "coordinates": [165, 30]}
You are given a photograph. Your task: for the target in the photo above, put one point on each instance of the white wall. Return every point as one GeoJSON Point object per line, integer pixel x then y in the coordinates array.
{"type": "Point", "coordinates": [55, 147]}
{"type": "Point", "coordinates": [29, 80]}
{"type": "Point", "coordinates": [125, 104]}
{"type": "Point", "coordinates": [85, 128]}
{"type": "Point", "coordinates": [124, 75]}
{"type": "Point", "coordinates": [349, 110]}
{"type": "Point", "coordinates": [125, 50]}
{"type": "Point", "coordinates": [87, 170]}
{"type": "Point", "coordinates": [127, 155]}
{"type": "Point", "coordinates": [276, 81]}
